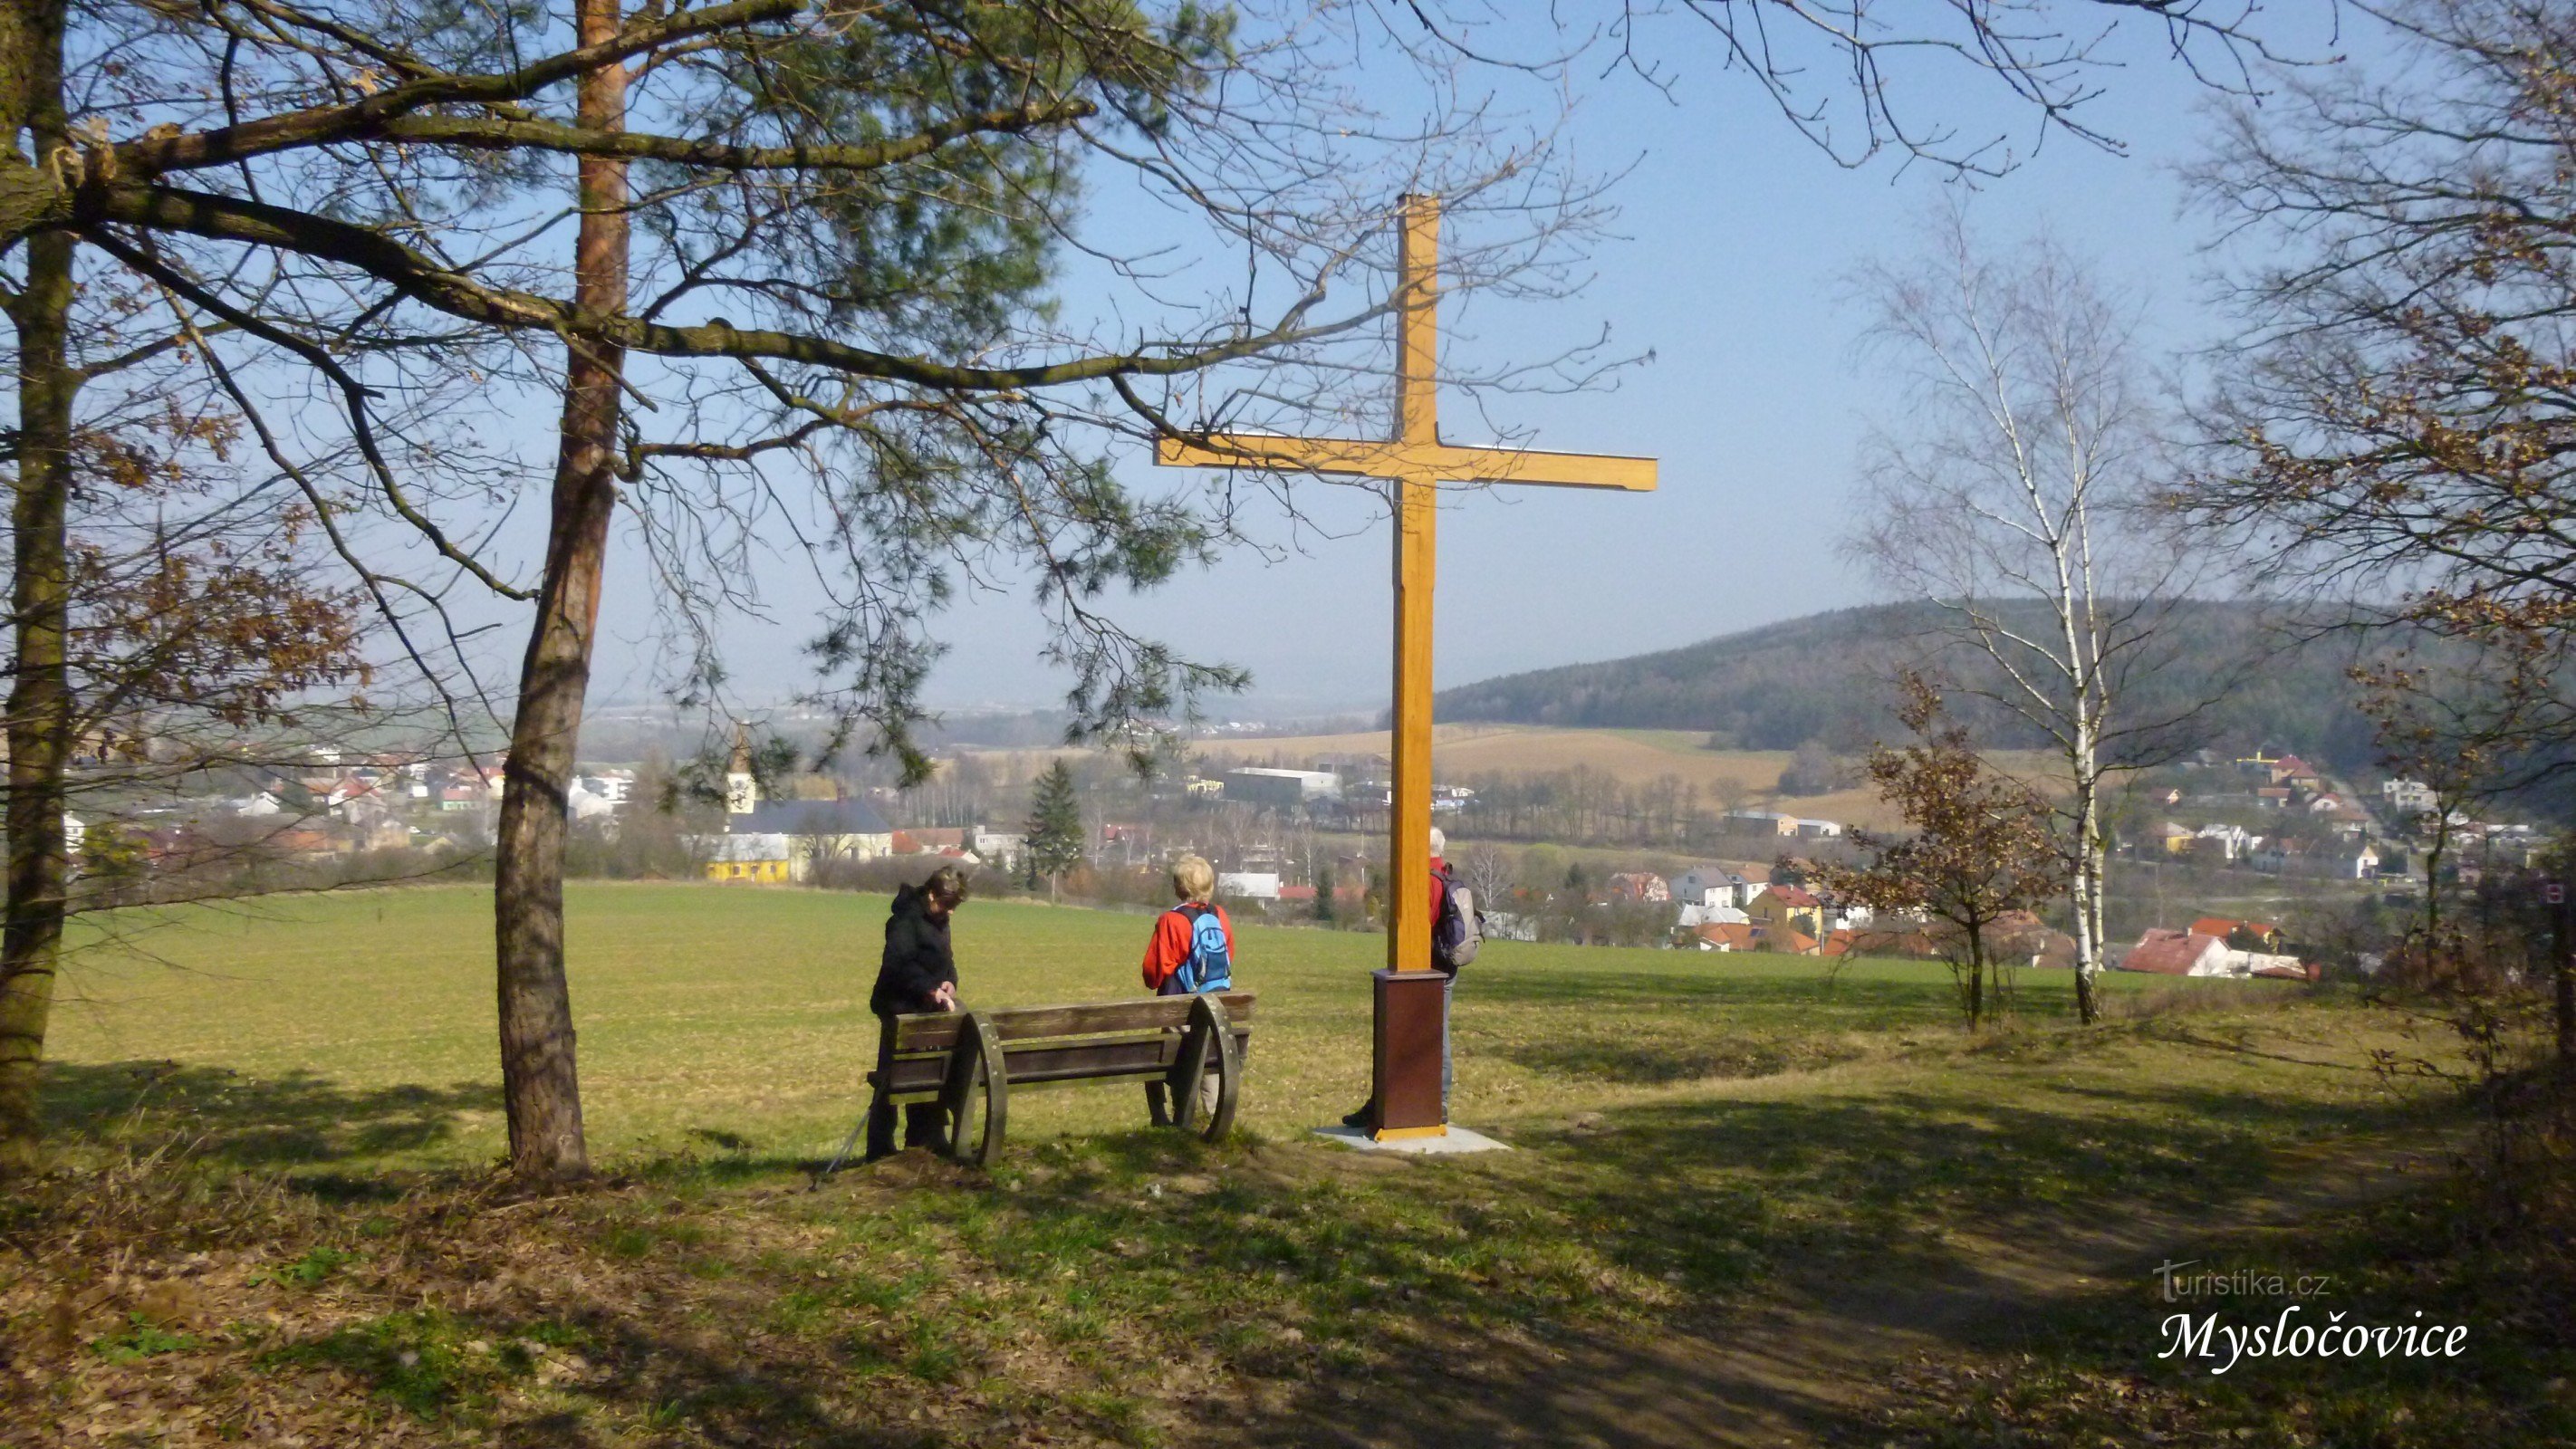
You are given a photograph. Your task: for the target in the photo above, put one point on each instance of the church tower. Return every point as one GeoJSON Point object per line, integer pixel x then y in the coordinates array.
{"type": "Point", "coordinates": [742, 792]}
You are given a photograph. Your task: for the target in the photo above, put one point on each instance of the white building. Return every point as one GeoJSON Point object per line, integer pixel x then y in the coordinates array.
{"type": "Point", "coordinates": [1715, 886]}
{"type": "Point", "coordinates": [1248, 885]}
{"type": "Point", "coordinates": [1282, 788]}
{"type": "Point", "coordinates": [2412, 796]}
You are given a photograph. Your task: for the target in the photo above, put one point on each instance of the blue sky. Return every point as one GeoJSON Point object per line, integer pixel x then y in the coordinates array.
{"type": "Point", "coordinates": [1728, 264]}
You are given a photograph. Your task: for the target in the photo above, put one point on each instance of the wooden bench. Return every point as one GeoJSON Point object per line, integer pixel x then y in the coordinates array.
{"type": "Point", "coordinates": [967, 1059]}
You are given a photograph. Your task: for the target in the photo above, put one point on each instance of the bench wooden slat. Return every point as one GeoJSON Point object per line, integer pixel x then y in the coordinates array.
{"type": "Point", "coordinates": [937, 1031]}
{"type": "Point", "coordinates": [1060, 1061]}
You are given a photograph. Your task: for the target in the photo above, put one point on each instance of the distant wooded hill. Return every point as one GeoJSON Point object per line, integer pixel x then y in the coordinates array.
{"type": "Point", "coordinates": [1828, 677]}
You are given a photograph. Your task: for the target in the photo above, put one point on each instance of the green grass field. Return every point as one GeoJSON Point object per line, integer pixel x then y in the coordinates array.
{"type": "Point", "coordinates": [360, 1028]}
{"type": "Point", "coordinates": [1745, 1195]}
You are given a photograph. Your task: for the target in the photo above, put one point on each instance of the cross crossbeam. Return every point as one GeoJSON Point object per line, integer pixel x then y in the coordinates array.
{"type": "Point", "coordinates": [1416, 462]}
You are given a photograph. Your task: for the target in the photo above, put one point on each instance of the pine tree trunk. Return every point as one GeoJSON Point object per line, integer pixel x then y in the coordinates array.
{"type": "Point", "coordinates": [40, 700]}
{"type": "Point", "coordinates": [540, 1086]}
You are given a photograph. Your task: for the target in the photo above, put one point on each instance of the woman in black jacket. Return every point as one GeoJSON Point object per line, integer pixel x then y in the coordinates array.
{"type": "Point", "coordinates": [917, 974]}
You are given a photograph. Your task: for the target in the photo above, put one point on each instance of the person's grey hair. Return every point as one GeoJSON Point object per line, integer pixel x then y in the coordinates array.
{"type": "Point", "coordinates": [1439, 842]}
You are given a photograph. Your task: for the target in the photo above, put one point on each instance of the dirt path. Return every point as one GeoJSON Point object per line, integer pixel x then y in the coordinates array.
{"type": "Point", "coordinates": [1803, 1363]}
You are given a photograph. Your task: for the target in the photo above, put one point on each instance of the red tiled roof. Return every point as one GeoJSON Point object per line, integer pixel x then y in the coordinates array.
{"type": "Point", "coordinates": [1728, 935]}
{"type": "Point", "coordinates": [2221, 927]}
{"type": "Point", "coordinates": [1794, 896]}
{"type": "Point", "coordinates": [2168, 953]}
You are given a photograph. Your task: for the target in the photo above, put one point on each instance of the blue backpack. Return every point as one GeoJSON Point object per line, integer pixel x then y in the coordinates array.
{"type": "Point", "coordinates": [1209, 967]}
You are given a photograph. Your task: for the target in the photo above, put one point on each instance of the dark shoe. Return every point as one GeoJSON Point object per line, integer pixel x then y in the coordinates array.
{"type": "Point", "coordinates": [1360, 1118]}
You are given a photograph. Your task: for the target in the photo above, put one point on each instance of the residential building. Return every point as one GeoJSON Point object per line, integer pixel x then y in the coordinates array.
{"type": "Point", "coordinates": [1248, 885]}
{"type": "Point", "coordinates": [1712, 886]}
{"type": "Point", "coordinates": [2177, 953]}
{"type": "Point", "coordinates": [1788, 908]}
{"type": "Point", "coordinates": [1640, 888]}
{"type": "Point", "coordinates": [1282, 789]}
{"type": "Point", "coordinates": [2265, 935]}
{"type": "Point", "coordinates": [849, 830]}
{"type": "Point", "coordinates": [1692, 917]}
{"type": "Point", "coordinates": [754, 858]}
{"type": "Point", "coordinates": [2413, 797]}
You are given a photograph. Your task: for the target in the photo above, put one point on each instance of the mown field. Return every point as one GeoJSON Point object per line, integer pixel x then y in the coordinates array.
{"type": "Point", "coordinates": [359, 1028]}
{"type": "Point", "coordinates": [1748, 1203]}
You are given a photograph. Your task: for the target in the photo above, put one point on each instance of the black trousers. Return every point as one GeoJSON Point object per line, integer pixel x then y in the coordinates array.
{"type": "Point", "coordinates": [925, 1124]}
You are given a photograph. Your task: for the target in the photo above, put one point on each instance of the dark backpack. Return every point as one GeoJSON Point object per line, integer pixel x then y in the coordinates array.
{"type": "Point", "coordinates": [1209, 966]}
{"type": "Point", "coordinates": [1460, 929]}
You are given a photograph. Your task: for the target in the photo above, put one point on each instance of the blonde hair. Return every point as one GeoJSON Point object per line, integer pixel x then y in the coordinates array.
{"type": "Point", "coordinates": [1193, 879]}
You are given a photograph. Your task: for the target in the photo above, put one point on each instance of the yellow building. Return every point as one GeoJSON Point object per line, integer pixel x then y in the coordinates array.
{"type": "Point", "coordinates": [1790, 907]}
{"type": "Point", "coordinates": [760, 859]}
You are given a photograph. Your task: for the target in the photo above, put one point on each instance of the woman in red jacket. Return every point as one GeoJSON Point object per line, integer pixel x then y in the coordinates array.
{"type": "Point", "coordinates": [1192, 950]}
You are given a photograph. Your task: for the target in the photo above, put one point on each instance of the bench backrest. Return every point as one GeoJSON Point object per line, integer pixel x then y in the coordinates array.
{"type": "Point", "coordinates": [1060, 1043]}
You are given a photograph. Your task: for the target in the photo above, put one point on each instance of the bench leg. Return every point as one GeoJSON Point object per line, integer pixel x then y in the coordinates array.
{"type": "Point", "coordinates": [976, 1068]}
{"type": "Point", "coordinates": [1208, 1046]}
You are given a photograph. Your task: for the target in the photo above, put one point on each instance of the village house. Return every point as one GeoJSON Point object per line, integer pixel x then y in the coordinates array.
{"type": "Point", "coordinates": [1771, 820]}
{"type": "Point", "coordinates": [2263, 935]}
{"type": "Point", "coordinates": [2198, 953]}
{"type": "Point", "coordinates": [2413, 797]}
{"type": "Point", "coordinates": [1785, 941]}
{"type": "Point", "coordinates": [808, 830]}
{"type": "Point", "coordinates": [1691, 917]}
{"type": "Point", "coordinates": [756, 859]}
{"type": "Point", "coordinates": [2176, 953]}
{"type": "Point", "coordinates": [1714, 886]}
{"type": "Point", "coordinates": [1793, 908]}
{"type": "Point", "coordinates": [1640, 888]}
{"type": "Point", "coordinates": [2226, 842]}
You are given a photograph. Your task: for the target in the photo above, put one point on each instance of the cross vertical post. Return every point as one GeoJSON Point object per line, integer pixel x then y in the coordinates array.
{"type": "Point", "coordinates": [1410, 1031]}
{"type": "Point", "coordinates": [1415, 496]}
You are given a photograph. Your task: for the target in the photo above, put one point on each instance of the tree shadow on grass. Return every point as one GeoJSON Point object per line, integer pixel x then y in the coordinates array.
{"type": "Point", "coordinates": [298, 1119]}
{"type": "Point", "coordinates": [1848, 1207]}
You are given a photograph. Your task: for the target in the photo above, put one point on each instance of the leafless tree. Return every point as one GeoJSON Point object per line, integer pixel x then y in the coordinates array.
{"type": "Point", "coordinates": [2012, 496]}
{"type": "Point", "coordinates": [2391, 428]}
{"type": "Point", "coordinates": [1483, 870]}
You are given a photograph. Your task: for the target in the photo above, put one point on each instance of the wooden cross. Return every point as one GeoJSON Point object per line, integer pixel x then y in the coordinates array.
{"type": "Point", "coordinates": [1416, 462]}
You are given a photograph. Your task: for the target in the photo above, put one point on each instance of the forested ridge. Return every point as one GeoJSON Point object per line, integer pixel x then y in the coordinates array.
{"type": "Point", "coordinates": [2263, 674]}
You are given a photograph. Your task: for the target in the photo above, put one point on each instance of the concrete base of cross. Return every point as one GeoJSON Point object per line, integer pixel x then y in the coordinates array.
{"type": "Point", "coordinates": [1456, 1139]}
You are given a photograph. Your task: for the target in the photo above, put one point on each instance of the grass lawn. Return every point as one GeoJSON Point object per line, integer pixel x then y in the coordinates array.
{"type": "Point", "coordinates": [358, 1029]}
{"type": "Point", "coordinates": [1703, 1140]}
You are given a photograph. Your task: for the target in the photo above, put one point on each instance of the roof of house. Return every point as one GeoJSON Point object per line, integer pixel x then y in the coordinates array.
{"type": "Point", "coordinates": [809, 817]}
{"type": "Point", "coordinates": [1728, 935]}
{"type": "Point", "coordinates": [1786, 939]}
{"type": "Point", "coordinates": [1790, 895]}
{"type": "Point", "coordinates": [2169, 953]}
{"type": "Point", "coordinates": [2220, 926]}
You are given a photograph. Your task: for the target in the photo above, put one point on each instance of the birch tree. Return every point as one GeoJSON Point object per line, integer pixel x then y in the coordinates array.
{"type": "Point", "coordinates": [2012, 496]}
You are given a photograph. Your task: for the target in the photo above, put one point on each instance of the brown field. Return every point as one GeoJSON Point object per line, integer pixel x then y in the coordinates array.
{"type": "Point", "coordinates": [1633, 757]}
